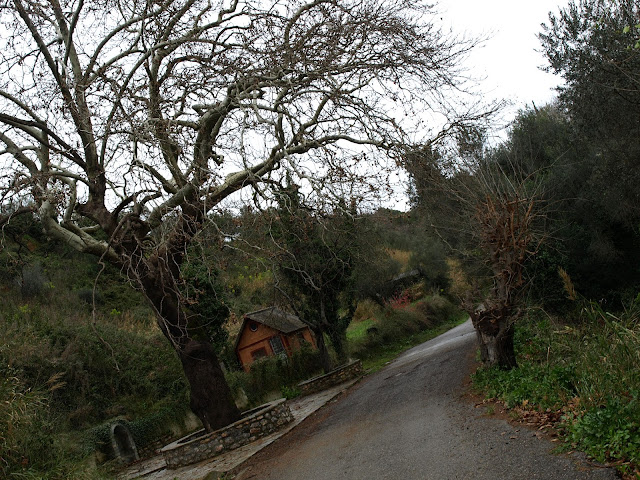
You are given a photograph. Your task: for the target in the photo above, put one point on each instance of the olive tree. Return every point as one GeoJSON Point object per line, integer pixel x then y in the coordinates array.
{"type": "Point", "coordinates": [125, 122]}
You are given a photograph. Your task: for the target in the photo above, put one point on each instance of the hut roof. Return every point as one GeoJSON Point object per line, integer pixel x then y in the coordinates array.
{"type": "Point", "coordinates": [277, 319]}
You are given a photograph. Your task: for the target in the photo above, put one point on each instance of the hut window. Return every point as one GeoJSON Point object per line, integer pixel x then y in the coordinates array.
{"type": "Point", "coordinates": [258, 354]}
{"type": "Point", "coordinates": [277, 346]}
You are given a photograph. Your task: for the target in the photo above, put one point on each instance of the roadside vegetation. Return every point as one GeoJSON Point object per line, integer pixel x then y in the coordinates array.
{"type": "Point", "coordinates": [399, 325]}
{"type": "Point", "coordinates": [79, 350]}
{"type": "Point", "coordinates": [577, 321]}
{"type": "Point", "coordinates": [581, 374]}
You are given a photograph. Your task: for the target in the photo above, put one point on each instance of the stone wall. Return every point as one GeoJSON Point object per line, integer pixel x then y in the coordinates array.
{"type": "Point", "coordinates": [335, 377]}
{"type": "Point", "coordinates": [201, 445]}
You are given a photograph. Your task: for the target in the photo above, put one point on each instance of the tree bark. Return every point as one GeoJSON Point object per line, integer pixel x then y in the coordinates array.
{"type": "Point", "coordinates": [495, 339]}
{"type": "Point", "coordinates": [210, 397]}
{"type": "Point", "coordinates": [339, 342]}
{"type": "Point", "coordinates": [325, 359]}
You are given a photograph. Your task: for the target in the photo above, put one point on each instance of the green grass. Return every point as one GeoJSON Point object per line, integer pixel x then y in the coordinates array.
{"type": "Point", "coordinates": [358, 330]}
{"type": "Point", "coordinates": [382, 355]}
{"type": "Point", "coordinates": [399, 326]}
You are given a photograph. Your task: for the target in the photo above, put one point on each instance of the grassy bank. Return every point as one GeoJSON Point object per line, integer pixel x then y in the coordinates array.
{"type": "Point", "coordinates": [583, 371]}
{"type": "Point", "coordinates": [401, 324]}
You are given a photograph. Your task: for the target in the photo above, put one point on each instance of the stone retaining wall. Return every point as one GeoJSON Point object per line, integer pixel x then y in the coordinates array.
{"type": "Point", "coordinates": [255, 424]}
{"type": "Point", "coordinates": [335, 377]}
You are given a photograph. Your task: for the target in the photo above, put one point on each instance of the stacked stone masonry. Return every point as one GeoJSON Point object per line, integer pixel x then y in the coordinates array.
{"type": "Point", "coordinates": [335, 377]}
{"type": "Point", "coordinates": [200, 445]}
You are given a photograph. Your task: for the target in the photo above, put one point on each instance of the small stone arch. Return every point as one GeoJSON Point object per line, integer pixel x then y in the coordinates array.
{"type": "Point", "coordinates": [124, 448]}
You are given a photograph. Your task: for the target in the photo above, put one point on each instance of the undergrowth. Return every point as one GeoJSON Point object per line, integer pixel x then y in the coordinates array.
{"type": "Point", "coordinates": [61, 373]}
{"type": "Point", "coordinates": [274, 374]}
{"type": "Point", "coordinates": [400, 325]}
{"type": "Point", "coordinates": [587, 368]}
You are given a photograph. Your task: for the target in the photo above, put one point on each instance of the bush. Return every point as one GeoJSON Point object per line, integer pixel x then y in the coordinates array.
{"type": "Point", "coordinates": [273, 374]}
{"type": "Point", "coordinates": [32, 281]}
{"type": "Point", "coordinates": [87, 296]}
{"type": "Point", "coordinates": [400, 320]}
{"type": "Point", "coordinates": [609, 432]}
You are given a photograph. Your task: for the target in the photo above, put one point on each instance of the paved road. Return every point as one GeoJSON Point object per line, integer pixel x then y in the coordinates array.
{"type": "Point", "coordinates": [408, 421]}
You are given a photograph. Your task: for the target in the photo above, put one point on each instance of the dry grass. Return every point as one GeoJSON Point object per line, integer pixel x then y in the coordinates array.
{"type": "Point", "coordinates": [459, 282]}
{"type": "Point", "coordinates": [400, 256]}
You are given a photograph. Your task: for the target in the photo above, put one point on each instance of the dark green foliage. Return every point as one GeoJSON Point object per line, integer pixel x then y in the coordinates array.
{"type": "Point", "coordinates": [32, 281]}
{"type": "Point", "coordinates": [202, 292]}
{"type": "Point", "coordinates": [591, 170]}
{"type": "Point", "coordinates": [591, 45]}
{"type": "Point", "coordinates": [609, 432]}
{"type": "Point", "coordinates": [41, 268]}
{"type": "Point", "coordinates": [66, 374]}
{"type": "Point", "coordinates": [373, 277]}
{"type": "Point", "coordinates": [315, 255]}
{"type": "Point", "coordinates": [539, 385]}
{"type": "Point", "coordinates": [144, 430]}
{"type": "Point", "coordinates": [429, 258]}
{"type": "Point", "coordinates": [98, 366]}
{"type": "Point", "coordinates": [90, 297]}
{"type": "Point", "coordinates": [589, 231]}
{"type": "Point", "coordinates": [275, 374]}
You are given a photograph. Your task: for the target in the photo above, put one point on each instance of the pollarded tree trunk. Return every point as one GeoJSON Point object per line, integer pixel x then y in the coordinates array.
{"type": "Point", "coordinates": [494, 331]}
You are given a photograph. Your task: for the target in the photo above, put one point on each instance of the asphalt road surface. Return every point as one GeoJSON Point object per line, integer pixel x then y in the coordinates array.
{"type": "Point", "coordinates": [411, 421]}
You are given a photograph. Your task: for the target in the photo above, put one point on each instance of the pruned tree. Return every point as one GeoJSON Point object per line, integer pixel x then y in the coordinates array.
{"type": "Point", "coordinates": [490, 219]}
{"type": "Point", "coordinates": [124, 122]}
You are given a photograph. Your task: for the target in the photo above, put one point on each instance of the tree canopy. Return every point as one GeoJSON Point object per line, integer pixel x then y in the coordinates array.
{"type": "Point", "coordinates": [125, 123]}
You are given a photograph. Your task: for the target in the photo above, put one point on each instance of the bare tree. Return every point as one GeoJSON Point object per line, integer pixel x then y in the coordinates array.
{"type": "Point", "coordinates": [125, 122]}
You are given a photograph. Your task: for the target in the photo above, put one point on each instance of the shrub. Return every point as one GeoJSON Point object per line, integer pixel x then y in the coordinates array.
{"type": "Point", "coordinates": [273, 374]}
{"type": "Point", "coordinates": [32, 281]}
{"type": "Point", "coordinates": [607, 433]}
{"type": "Point", "coordinates": [87, 296]}
{"type": "Point", "coordinates": [589, 370]}
{"type": "Point", "coordinates": [399, 320]}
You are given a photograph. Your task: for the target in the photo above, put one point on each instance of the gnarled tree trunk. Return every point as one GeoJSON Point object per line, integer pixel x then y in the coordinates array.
{"type": "Point", "coordinates": [494, 331]}
{"type": "Point", "coordinates": [210, 397]}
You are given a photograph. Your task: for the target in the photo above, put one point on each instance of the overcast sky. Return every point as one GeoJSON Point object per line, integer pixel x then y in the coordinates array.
{"type": "Point", "coordinates": [508, 60]}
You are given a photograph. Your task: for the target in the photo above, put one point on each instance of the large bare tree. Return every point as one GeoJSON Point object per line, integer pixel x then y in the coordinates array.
{"type": "Point", "coordinates": [125, 122]}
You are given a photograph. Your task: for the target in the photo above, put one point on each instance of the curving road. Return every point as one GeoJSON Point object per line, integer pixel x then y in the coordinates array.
{"type": "Point", "coordinates": [408, 421]}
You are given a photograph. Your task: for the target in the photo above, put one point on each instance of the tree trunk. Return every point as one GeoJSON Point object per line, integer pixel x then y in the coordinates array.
{"type": "Point", "coordinates": [339, 342]}
{"type": "Point", "coordinates": [211, 398]}
{"type": "Point", "coordinates": [495, 339]}
{"type": "Point", "coordinates": [325, 359]}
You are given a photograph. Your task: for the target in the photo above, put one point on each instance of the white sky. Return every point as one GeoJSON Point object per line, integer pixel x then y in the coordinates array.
{"type": "Point", "coordinates": [508, 61]}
